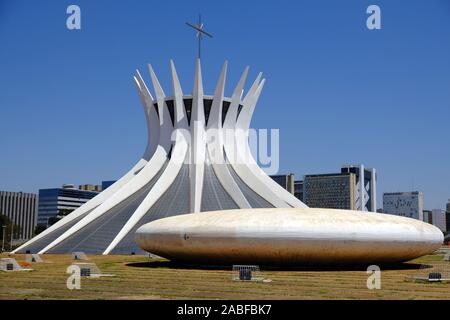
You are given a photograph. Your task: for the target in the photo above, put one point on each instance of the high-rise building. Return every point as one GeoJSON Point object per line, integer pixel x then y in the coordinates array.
{"type": "Point", "coordinates": [285, 180]}
{"type": "Point", "coordinates": [298, 189]}
{"type": "Point", "coordinates": [366, 186]}
{"type": "Point", "coordinates": [447, 221]}
{"type": "Point", "coordinates": [439, 219]}
{"type": "Point", "coordinates": [108, 183]}
{"type": "Point", "coordinates": [353, 189]}
{"type": "Point", "coordinates": [337, 191]}
{"type": "Point", "coordinates": [406, 204]}
{"type": "Point", "coordinates": [447, 216]}
{"type": "Point", "coordinates": [59, 202]}
{"type": "Point", "coordinates": [427, 216]}
{"type": "Point", "coordinates": [20, 208]}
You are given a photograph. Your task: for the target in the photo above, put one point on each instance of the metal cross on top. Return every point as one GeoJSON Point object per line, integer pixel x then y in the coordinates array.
{"type": "Point", "coordinates": [200, 32]}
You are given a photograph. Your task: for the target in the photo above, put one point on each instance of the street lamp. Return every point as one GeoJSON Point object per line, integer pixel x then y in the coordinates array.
{"type": "Point", "coordinates": [12, 234]}
{"type": "Point", "coordinates": [3, 242]}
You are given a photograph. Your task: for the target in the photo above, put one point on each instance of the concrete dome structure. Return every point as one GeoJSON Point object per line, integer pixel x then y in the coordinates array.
{"type": "Point", "coordinates": [189, 166]}
{"type": "Point", "coordinates": [276, 236]}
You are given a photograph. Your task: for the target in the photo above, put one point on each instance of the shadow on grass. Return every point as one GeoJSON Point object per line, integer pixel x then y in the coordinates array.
{"type": "Point", "coordinates": [309, 268]}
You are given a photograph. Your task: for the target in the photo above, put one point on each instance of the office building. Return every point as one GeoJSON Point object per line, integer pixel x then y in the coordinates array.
{"type": "Point", "coordinates": [336, 191]}
{"type": "Point", "coordinates": [354, 188]}
{"type": "Point", "coordinates": [439, 219]}
{"type": "Point", "coordinates": [107, 184]}
{"type": "Point", "coordinates": [447, 221]}
{"type": "Point", "coordinates": [427, 216]}
{"type": "Point", "coordinates": [298, 189]}
{"type": "Point", "coordinates": [405, 204]}
{"type": "Point", "coordinates": [58, 202]}
{"type": "Point", "coordinates": [20, 208]}
{"type": "Point", "coordinates": [286, 181]}
{"type": "Point", "coordinates": [366, 186]}
{"type": "Point", "coordinates": [447, 216]}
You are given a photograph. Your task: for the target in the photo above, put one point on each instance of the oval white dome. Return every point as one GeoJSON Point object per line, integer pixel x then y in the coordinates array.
{"type": "Point", "coordinates": [289, 236]}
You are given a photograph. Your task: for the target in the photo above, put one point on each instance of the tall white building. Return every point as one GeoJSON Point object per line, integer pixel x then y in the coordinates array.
{"type": "Point", "coordinates": [366, 186]}
{"type": "Point", "coordinates": [406, 204]}
{"type": "Point", "coordinates": [438, 219]}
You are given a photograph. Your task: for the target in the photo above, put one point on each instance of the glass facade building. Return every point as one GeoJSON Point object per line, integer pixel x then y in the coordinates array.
{"type": "Point", "coordinates": [106, 184]}
{"type": "Point", "coordinates": [60, 201]}
{"type": "Point", "coordinates": [298, 189]}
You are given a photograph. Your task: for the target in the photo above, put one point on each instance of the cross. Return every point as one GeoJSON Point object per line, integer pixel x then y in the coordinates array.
{"type": "Point", "coordinates": [200, 32]}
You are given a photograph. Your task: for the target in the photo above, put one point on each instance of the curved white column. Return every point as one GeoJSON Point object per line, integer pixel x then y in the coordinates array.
{"type": "Point", "coordinates": [150, 116]}
{"type": "Point", "coordinates": [164, 182]}
{"type": "Point", "coordinates": [215, 144]}
{"type": "Point", "coordinates": [178, 157]}
{"type": "Point", "coordinates": [181, 121]}
{"type": "Point", "coordinates": [152, 131]}
{"type": "Point", "coordinates": [198, 142]}
{"type": "Point", "coordinates": [230, 118]}
{"type": "Point", "coordinates": [242, 128]}
{"type": "Point", "coordinates": [238, 160]}
{"type": "Point", "coordinates": [149, 171]}
{"type": "Point", "coordinates": [165, 123]}
{"type": "Point", "coordinates": [91, 204]}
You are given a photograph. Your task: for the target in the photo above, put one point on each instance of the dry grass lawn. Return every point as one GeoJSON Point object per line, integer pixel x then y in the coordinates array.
{"type": "Point", "coordinates": [139, 277]}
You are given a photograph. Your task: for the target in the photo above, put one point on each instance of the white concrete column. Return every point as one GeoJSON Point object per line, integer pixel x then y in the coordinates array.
{"type": "Point", "coordinates": [373, 190]}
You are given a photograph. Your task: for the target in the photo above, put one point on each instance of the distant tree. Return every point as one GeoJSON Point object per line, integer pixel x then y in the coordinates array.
{"type": "Point", "coordinates": [10, 227]}
{"type": "Point", "coordinates": [61, 214]}
{"type": "Point", "coordinates": [39, 228]}
{"type": "Point", "coordinates": [53, 220]}
{"type": "Point", "coordinates": [4, 220]}
{"type": "Point", "coordinates": [64, 212]}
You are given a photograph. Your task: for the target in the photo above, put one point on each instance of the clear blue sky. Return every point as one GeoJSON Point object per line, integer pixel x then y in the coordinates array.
{"type": "Point", "coordinates": [338, 92]}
